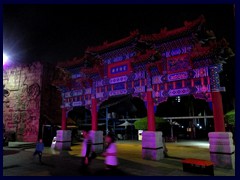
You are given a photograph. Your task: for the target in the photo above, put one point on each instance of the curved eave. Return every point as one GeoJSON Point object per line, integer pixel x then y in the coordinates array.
{"type": "Point", "coordinates": [166, 35]}
{"type": "Point", "coordinates": [114, 45]}
{"type": "Point", "coordinates": [167, 38]}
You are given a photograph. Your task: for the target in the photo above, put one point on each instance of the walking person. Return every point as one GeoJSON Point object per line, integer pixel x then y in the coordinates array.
{"type": "Point", "coordinates": [86, 150]}
{"type": "Point", "coordinates": [39, 150]}
{"type": "Point", "coordinates": [110, 154]}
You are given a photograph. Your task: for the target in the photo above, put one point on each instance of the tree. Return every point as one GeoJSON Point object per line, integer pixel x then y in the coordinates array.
{"type": "Point", "coordinates": [230, 117]}
{"type": "Point", "coordinates": [230, 120]}
{"type": "Point", "coordinates": [161, 124]}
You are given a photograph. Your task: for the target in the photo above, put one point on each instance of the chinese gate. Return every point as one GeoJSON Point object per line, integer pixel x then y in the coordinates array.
{"type": "Point", "coordinates": [179, 62]}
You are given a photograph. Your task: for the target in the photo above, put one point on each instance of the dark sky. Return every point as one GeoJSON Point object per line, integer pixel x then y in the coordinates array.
{"type": "Point", "coordinates": [61, 32]}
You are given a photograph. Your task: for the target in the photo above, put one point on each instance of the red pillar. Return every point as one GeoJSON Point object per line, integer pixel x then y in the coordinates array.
{"type": "Point", "coordinates": [64, 120]}
{"type": "Point", "coordinates": [218, 112]}
{"type": "Point", "coordinates": [150, 112]}
{"type": "Point", "coordinates": [94, 114]}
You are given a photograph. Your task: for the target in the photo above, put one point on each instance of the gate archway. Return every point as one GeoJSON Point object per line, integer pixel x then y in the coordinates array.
{"type": "Point", "coordinates": [119, 113]}
{"type": "Point", "coordinates": [187, 110]}
{"type": "Point", "coordinates": [152, 67]}
{"type": "Point", "coordinates": [80, 115]}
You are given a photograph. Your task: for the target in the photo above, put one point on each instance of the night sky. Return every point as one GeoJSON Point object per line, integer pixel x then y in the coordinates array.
{"type": "Point", "coordinates": [61, 32]}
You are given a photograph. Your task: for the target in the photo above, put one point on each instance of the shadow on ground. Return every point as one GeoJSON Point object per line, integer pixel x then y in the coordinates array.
{"type": "Point", "coordinates": [68, 165]}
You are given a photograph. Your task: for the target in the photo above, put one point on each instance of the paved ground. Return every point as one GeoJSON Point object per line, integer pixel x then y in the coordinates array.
{"type": "Point", "coordinates": [17, 162]}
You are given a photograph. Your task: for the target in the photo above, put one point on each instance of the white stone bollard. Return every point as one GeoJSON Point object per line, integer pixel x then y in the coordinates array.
{"type": "Point", "coordinates": [97, 141]}
{"type": "Point", "coordinates": [63, 139]}
{"type": "Point", "coordinates": [222, 150]}
{"type": "Point", "coordinates": [140, 135]}
{"type": "Point", "coordinates": [152, 146]}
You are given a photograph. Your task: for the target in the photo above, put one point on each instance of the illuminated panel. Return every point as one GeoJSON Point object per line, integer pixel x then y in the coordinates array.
{"type": "Point", "coordinates": [117, 92]}
{"type": "Point", "coordinates": [178, 92]}
{"type": "Point", "coordinates": [119, 69]}
{"type": "Point", "coordinates": [178, 76]}
{"type": "Point", "coordinates": [118, 79]}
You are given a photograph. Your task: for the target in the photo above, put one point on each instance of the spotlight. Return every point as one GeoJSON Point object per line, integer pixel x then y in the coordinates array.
{"type": "Point", "coordinates": [5, 58]}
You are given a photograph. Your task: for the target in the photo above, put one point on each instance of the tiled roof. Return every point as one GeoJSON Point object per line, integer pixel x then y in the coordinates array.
{"type": "Point", "coordinates": [165, 34]}
{"type": "Point", "coordinates": [107, 46]}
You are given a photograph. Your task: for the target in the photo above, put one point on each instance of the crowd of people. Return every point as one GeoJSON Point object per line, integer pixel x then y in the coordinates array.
{"type": "Point", "coordinates": [88, 153]}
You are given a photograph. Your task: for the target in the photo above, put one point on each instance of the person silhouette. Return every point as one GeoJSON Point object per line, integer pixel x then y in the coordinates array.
{"type": "Point", "coordinates": [110, 154]}
{"type": "Point", "coordinates": [39, 150]}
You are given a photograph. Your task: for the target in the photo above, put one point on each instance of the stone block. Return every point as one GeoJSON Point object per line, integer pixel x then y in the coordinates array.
{"type": "Point", "coordinates": [97, 141]}
{"type": "Point", "coordinates": [223, 160]}
{"type": "Point", "coordinates": [152, 139]}
{"type": "Point", "coordinates": [220, 135]}
{"type": "Point", "coordinates": [221, 141]}
{"type": "Point", "coordinates": [219, 148]}
{"type": "Point", "coordinates": [64, 135]}
{"type": "Point", "coordinates": [152, 154]}
{"type": "Point", "coordinates": [63, 139]}
{"type": "Point", "coordinates": [152, 145]}
{"type": "Point", "coordinates": [63, 145]}
{"type": "Point", "coordinates": [222, 149]}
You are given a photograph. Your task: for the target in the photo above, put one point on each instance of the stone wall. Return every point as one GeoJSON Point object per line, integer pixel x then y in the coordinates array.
{"type": "Point", "coordinates": [21, 100]}
{"type": "Point", "coordinates": [51, 99]}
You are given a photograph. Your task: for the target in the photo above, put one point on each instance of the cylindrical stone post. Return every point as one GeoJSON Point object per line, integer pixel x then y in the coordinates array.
{"type": "Point", "coordinates": [150, 111]}
{"type": "Point", "coordinates": [64, 120]}
{"type": "Point", "coordinates": [96, 136]}
{"type": "Point", "coordinates": [218, 114]}
{"type": "Point", "coordinates": [94, 114]}
{"type": "Point", "coordinates": [63, 139]}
